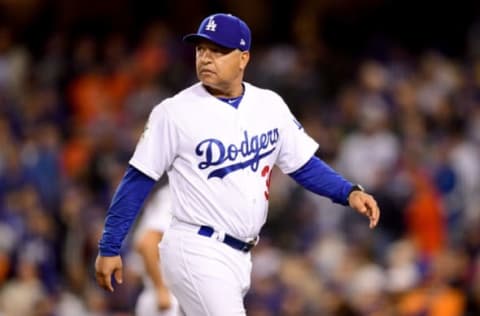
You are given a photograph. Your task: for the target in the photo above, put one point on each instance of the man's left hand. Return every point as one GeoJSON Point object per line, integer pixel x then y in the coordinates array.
{"type": "Point", "coordinates": [365, 204]}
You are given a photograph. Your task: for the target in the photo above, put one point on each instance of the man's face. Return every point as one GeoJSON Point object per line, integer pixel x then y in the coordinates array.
{"type": "Point", "coordinates": [219, 67]}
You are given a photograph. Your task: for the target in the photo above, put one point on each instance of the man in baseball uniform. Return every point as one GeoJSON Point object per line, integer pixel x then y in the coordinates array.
{"type": "Point", "coordinates": [155, 298]}
{"type": "Point", "coordinates": [218, 141]}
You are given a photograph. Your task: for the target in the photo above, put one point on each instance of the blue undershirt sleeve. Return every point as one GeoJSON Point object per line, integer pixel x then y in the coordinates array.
{"type": "Point", "coordinates": [320, 178]}
{"type": "Point", "coordinates": [126, 203]}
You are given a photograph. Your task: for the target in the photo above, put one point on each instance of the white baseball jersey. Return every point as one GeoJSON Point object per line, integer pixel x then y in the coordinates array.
{"type": "Point", "coordinates": [218, 158]}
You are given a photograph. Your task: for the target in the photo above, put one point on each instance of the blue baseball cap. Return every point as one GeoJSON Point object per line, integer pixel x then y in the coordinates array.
{"type": "Point", "coordinates": [223, 29]}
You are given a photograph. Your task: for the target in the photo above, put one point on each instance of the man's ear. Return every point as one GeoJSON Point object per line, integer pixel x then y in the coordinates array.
{"type": "Point", "coordinates": [244, 58]}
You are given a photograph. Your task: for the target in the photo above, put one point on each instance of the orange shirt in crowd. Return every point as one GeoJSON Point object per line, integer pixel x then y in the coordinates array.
{"type": "Point", "coordinates": [436, 301]}
{"type": "Point", "coordinates": [424, 216]}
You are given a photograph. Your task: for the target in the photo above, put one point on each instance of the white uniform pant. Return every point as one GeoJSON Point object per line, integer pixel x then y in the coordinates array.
{"type": "Point", "coordinates": [208, 277]}
{"type": "Point", "coordinates": [147, 304]}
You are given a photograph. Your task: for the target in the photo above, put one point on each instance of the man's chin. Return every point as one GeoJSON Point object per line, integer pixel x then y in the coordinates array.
{"type": "Point", "coordinates": [207, 79]}
{"type": "Point", "coordinates": [213, 89]}
{"type": "Point", "coordinates": [208, 83]}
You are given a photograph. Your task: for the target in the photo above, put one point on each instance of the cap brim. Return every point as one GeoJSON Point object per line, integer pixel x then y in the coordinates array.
{"type": "Point", "coordinates": [194, 38]}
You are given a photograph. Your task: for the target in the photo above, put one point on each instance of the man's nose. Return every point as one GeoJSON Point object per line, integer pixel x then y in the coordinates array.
{"type": "Point", "coordinates": [205, 55]}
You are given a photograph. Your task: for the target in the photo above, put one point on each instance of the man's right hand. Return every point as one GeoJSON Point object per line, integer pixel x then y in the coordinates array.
{"type": "Point", "coordinates": [105, 267]}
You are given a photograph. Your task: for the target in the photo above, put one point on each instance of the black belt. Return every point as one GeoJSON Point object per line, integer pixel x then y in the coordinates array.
{"type": "Point", "coordinates": [229, 240]}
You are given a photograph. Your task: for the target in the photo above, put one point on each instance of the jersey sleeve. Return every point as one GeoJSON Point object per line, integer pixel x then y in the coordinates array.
{"type": "Point", "coordinates": [156, 149]}
{"type": "Point", "coordinates": [296, 146]}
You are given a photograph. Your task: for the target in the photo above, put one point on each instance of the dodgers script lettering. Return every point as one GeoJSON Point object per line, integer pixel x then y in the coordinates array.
{"type": "Point", "coordinates": [246, 154]}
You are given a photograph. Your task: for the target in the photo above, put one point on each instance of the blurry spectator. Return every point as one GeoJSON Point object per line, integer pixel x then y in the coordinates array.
{"type": "Point", "coordinates": [302, 287]}
{"type": "Point", "coordinates": [435, 296]}
{"type": "Point", "coordinates": [366, 291]}
{"type": "Point", "coordinates": [464, 156]}
{"type": "Point", "coordinates": [41, 155]}
{"type": "Point", "coordinates": [437, 79]}
{"type": "Point", "coordinates": [23, 294]}
{"type": "Point", "coordinates": [402, 271]}
{"type": "Point", "coordinates": [373, 145]}
{"type": "Point", "coordinates": [76, 152]}
{"type": "Point", "coordinates": [473, 291]}
{"type": "Point", "coordinates": [51, 70]}
{"type": "Point", "coordinates": [267, 292]}
{"type": "Point", "coordinates": [424, 212]}
{"type": "Point", "coordinates": [14, 63]}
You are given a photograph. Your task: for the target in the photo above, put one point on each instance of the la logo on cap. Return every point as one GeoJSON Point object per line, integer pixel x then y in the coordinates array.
{"type": "Point", "coordinates": [211, 25]}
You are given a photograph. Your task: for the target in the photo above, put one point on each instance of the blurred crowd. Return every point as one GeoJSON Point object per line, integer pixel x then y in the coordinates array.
{"type": "Point", "coordinates": [405, 126]}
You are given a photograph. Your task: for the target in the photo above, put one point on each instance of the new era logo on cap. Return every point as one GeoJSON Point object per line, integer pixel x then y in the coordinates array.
{"type": "Point", "coordinates": [223, 29]}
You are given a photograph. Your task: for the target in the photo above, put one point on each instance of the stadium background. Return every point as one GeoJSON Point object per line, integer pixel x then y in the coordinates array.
{"type": "Point", "coordinates": [390, 90]}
